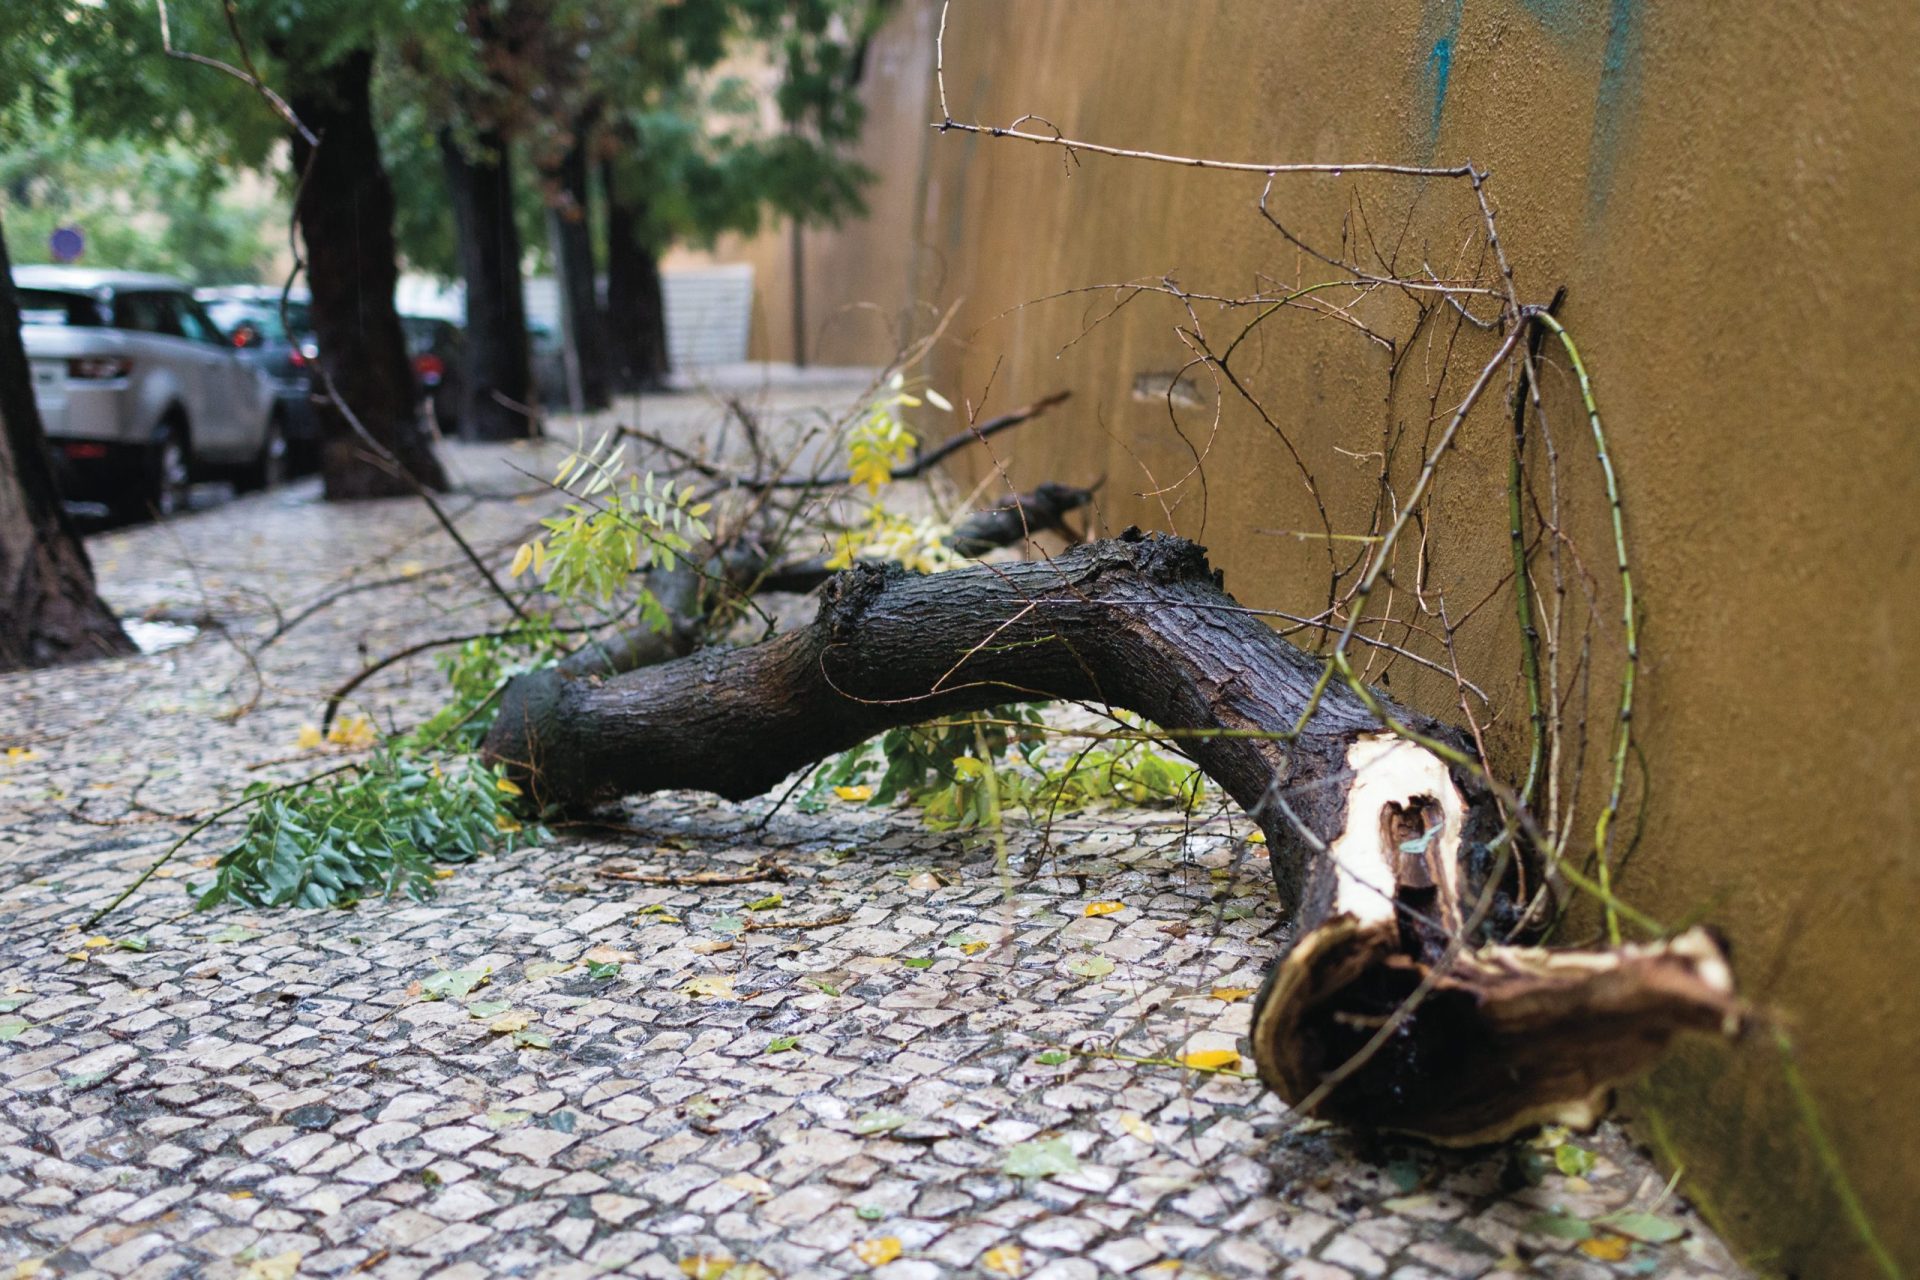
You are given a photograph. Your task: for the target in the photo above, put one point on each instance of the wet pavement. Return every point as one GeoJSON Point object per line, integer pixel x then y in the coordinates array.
{"type": "Point", "coordinates": [869, 1048]}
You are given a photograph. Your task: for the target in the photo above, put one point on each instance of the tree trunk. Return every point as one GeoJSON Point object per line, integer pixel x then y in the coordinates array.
{"type": "Point", "coordinates": [570, 229]}
{"type": "Point", "coordinates": [49, 610]}
{"type": "Point", "coordinates": [1383, 849]}
{"type": "Point", "coordinates": [499, 365]}
{"type": "Point", "coordinates": [636, 310]}
{"type": "Point", "coordinates": [346, 221]}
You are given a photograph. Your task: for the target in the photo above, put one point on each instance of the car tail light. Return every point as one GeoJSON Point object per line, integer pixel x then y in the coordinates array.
{"type": "Point", "coordinates": [429, 367]}
{"type": "Point", "coordinates": [96, 368]}
{"type": "Point", "coordinates": [303, 355]}
{"type": "Point", "coordinates": [84, 450]}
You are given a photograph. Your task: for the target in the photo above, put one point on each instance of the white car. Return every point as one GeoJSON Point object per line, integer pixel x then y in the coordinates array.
{"type": "Point", "coordinates": [140, 391]}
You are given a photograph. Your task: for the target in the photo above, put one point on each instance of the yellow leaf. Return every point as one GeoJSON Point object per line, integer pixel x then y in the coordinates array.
{"type": "Point", "coordinates": [1136, 1127]}
{"type": "Point", "coordinates": [508, 785]}
{"type": "Point", "coordinates": [353, 731]}
{"type": "Point", "coordinates": [443, 873]}
{"type": "Point", "coordinates": [540, 556]}
{"type": "Point", "coordinates": [81, 956]}
{"type": "Point", "coordinates": [309, 737]}
{"type": "Point", "coordinates": [239, 1195]}
{"type": "Point", "coordinates": [706, 1266]}
{"type": "Point", "coordinates": [854, 793]}
{"type": "Point", "coordinates": [98, 940]}
{"type": "Point", "coordinates": [749, 1183]}
{"type": "Point", "coordinates": [282, 1266]}
{"type": "Point", "coordinates": [20, 755]}
{"type": "Point", "coordinates": [1258, 837]}
{"type": "Point", "coordinates": [504, 823]}
{"type": "Point", "coordinates": [973, 948]}
{"type": "Point", "coordinates": [1211, 1059]}
{"type": "Point", "coordinates": [879, 1251]}
{"type": "Point", "coordinates": [1230, 994]}
{"type": "Point", "coordinates": [718, 986]}
{"type": "Point", "coordinates": [1105, 908]}
{"type": "Point", "coordinates": [410, 568]}
{"type": "Point", "coordinates": [512, 1020]}
{"type": "Point", "coordinates": [1003, 1260]}
{"type": "Point", "coordinates": [1607, 1248]}
{"type": "Point", "coordinates": [27, 1267]}
{"type": "Point", "coordinates": [521, 559]}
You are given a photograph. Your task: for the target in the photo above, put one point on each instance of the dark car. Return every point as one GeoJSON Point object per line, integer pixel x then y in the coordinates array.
{"type": "Point", "coordinates": [437, 349]}
{"type": "Point", "coordinates": [252, 318]}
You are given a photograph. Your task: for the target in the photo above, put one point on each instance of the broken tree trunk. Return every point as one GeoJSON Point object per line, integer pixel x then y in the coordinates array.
{"type": "Point", "coordinates": [1385, 853]}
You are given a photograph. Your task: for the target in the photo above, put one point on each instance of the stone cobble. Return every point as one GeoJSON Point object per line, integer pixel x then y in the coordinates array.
{"type": "Point", "coordinates": [828, 1084]}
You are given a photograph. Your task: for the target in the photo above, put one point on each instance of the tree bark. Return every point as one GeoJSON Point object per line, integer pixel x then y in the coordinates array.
{"type": "Point", "coordinates": [636, 316]}
{"type": "Point", "coordinates": [345, 212]}
{"type": "Point", "coordinates": [50, 612]}
{"type": "Point", "coordinates": [499, 365]}
{"type": "Point", "coordinates": [570, 229]}
{"type": "Point", "coordinates": [1384, 850]}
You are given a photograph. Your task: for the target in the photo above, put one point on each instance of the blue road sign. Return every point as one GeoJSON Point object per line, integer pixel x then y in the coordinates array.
{"type": "Point", "coordinates": [68, 244]}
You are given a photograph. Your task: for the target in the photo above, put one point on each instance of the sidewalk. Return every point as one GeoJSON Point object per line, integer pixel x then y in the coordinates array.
{"type": "Point", "coordinates": [264, 1094]}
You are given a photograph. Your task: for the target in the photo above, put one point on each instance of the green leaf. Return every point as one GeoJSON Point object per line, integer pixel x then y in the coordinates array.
{"type": "Point", "coordinates": [729, 925]}
{"type": "Point", "coordinates": [501, 1118]}
{"type": "Point", "coordinates": [9, 1003]}
{"type": "Point", "coordinates": [879, 1122]}
{"type": "Point", "coordinates": [232, 933]}
{"type": "Point", "coordinates": [780, 1044]}
{"type": "Point", "coordinates": [131, 944]}
{"type": "Point", "coordinates": [1041, 1159]}
{"type": "Point", "coordinates": [484, 1009]}
{"type": "Point", "coordinates": [1053, 1057]}
{"type": "Point", "coordinates": [918, 962]}
{"type": "Point", "coordinates": [767, 903]}
{"type": "Point", "coordinates": [1090, 966]}
{"type": "Point", "coordinates": [870, 1212]}
{"type": "Point", "coordinates": [1648, 1228]}
{"type": "Point", "coordinates": [1560, 1226]}
{"type": "Point", "coordinates": [532, 1038]}
{"type": "Point", "coordinates": [603, 968]}
{"type": "Point", "coordinates": [1575, 1162]}
{"type": "Point", "coordinates": [453, 982]}
{"type": "Point", "coordinates": [10, 1028]}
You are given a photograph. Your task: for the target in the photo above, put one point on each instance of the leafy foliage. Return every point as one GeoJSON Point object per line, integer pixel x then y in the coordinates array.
{"type": "Point", "coordinates": [379, 829]}
{"type": "Point", "coordinates": [876, 445]}
{"type": "Point", "coordinates": [619, 524]}
{"type": "Point", "coordinates": [963, 771]}
{"type": "Point", "coordinates": [477, 670]}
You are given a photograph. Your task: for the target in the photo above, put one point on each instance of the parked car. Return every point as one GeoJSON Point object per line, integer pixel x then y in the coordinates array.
{"type": "Point", "coordinates": [437, 348]}
{"type": "Point", "coordinates": [549, 357]}
{"type": "Point", "coordinates": [251, 315]}
{"type": "Point", "coordinates": [141, 392]}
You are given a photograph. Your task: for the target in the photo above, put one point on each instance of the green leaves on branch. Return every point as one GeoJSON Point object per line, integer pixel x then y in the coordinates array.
{"type": "Point", "coordinates": [381, 829]}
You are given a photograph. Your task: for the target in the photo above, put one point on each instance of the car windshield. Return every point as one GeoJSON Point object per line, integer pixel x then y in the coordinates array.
{"type": "Point", "coordinates": [231, 315]}
{"type": "Point", "coordinates": [57, 308]}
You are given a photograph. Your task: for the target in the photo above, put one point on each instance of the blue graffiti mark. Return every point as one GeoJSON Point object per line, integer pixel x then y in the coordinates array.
{"type": "Point", "coordinates": [1614, 101]}
{"type": "Point", "coordinates": [1443, 28]}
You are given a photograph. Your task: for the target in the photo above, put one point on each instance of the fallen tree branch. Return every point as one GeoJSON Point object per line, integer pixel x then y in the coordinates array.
{"type": "Point", "coordinates": [1393, 857]}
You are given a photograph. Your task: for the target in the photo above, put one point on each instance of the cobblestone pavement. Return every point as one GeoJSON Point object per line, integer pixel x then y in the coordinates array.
{"type": "Point", "coordinates": [264, 1094]}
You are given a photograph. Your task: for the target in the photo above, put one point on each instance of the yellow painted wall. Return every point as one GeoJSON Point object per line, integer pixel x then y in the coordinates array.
{"type": "Point", "coordinates": [1730, 194]}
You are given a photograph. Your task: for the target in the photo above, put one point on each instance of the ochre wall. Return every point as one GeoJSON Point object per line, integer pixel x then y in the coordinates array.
{"type": "Point", "coordinates": [1730, 195]}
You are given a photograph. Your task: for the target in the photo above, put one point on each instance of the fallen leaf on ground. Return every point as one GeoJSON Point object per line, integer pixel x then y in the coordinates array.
{"type": "Point", "coordinates": [546, 969]}
{"type": "Point", "coordinates": [767, 903]}
{"type": "Point", "coordinates": [1136, 1127]}
{"type": "Point", "coordinates": [1003, 1260]}
{"type": "Point", "coordinates": [717, 986]}
{"type": "Point", "coordinates": [880, 1250]}
{"type": "Point", "coordinates": [484, 1009]}
{"type": "Point", "coordinates": [501, 1118]}
{"type": "Point", "coordinates": [706, 1266]}
{"type": "Point", "coordinates": [1607, 1248]}
{"type": "Point", "coordinates": [531, 1039]}
{"type": "Point", "coordinates": [709, 946]}
{"type": "Point", "coordinates": [282, 1266]}
{"type": "Point", "coordinates": [973, 948]}
{"type": "Point", "coordinates": [309, 737]}
{"type": "Point", "coordinates": [1211, 1059]}
{"type": "Point", "coordinates": [1104, 908]}
{"type": "Point", "coordinates": [453, 982]}
{"type": "Point", "coordinates": [1090, 966]}
{"type": "Point", "coordinates": [233, 933]}
{"type": "Point", "coordinates": [1230, 994]}
{"type": "Point", "coordinates": [1053, 1057]}
{"type": "Point", "coordinates": [1258, 837]}
{"type": "Point", "coordinates": [854, 793]}
{"type": "Point", "coordinates": [10, 1028]}
{"type": "Point", "coordinates": [1649, 1228]}
{"type": "Point", "coordinates": [607, 955]}
{"type": "Point", "coordinates": [879, 1122]}
{"type": "Point", "coordinates": [918, 962]}
{"type": "Point", "coordinates": [781, 1044]}
{"type": "Point", "coordinates": [1559, 1226]}
{"type": "Point", "coordinates": [925, 880]}
{"type": "Point", "coordinates": [1040, 1159]}
{"type": "Point", "coordinates": [517, 1020]}
{"type": "Point", "coordinates": [749, 1183]}
{"type": "Point", "coordinates": [20, 755]}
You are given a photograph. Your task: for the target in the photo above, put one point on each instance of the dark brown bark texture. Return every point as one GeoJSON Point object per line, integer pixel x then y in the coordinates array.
{"type": "Point", "coordinates": [497, 390]}
{"type": "Point", "coordinates": [636, 317]}
{"type": "Point", "coordinates": [570, 229]}
{"type": "Point", "coordinates": [1501, 1037]}
{"type": "Point", "coordinates": [49, 610]}
{"type": "Point", "coordinates": [345, 211]}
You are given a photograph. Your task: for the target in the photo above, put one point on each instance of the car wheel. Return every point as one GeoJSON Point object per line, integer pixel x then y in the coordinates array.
{"type": "Point", "coordinates": [271, 467]}
{"type": "Point", "coordinates": [167, 487]}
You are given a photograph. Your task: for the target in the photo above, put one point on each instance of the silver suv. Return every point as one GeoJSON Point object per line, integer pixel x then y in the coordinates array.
{"type": "Point", "coordinates": [140, 391]}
